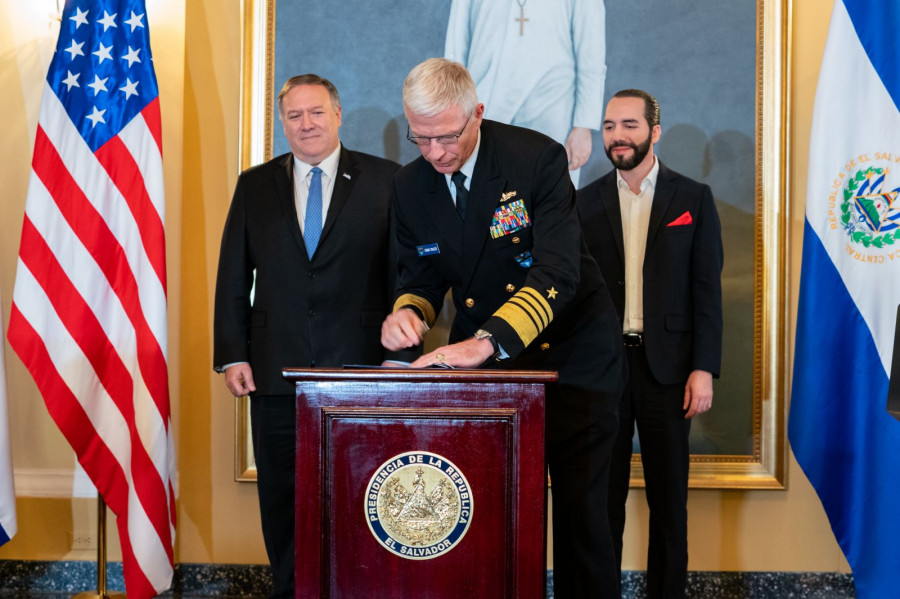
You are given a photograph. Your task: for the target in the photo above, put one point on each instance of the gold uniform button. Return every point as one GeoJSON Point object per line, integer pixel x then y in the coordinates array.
{"type": "Point", "coordinates": [510, 288]}
{"type": "Point", "coordinates": [470, 302]}
{"type": "Point", "coordinates": [516, 239]}
{"type": "Point", "coordinates": [545, 346]}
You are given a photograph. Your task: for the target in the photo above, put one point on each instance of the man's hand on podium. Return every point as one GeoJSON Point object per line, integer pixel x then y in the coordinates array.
{"type": "Point", "coordinates": [470, 353]}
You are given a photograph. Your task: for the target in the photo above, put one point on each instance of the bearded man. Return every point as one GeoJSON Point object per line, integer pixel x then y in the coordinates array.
{"type": "Point", "coordinates": [656, 237]}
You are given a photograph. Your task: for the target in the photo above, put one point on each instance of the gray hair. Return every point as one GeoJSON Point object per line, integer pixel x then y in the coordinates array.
{"type": "Point", "coordinates": [309, 79]}
{"type": "Point", "coordinates": [436, 85]}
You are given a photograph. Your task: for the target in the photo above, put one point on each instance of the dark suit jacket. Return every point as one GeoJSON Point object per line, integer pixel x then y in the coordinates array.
{"type": "Point", "coordinates": [535, 289]}
{"type": "Point", "coordinates": [682, 270]}
{"type": "Point", "coordinates": [324, 312]}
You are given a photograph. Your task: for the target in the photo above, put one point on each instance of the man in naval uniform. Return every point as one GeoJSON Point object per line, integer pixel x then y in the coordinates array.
{"type": "Point", "coordinates": [488, 212]}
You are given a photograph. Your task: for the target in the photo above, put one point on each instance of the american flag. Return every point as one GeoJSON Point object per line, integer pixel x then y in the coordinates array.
{"type": "Point", "coordinates": [89, 305]}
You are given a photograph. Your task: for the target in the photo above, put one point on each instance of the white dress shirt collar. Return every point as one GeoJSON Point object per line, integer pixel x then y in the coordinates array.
{"type": "Point", "coordinates": [329, 165]}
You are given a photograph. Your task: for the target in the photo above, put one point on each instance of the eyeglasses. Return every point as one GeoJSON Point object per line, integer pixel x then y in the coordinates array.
{"type": "Point", "coordinates": [444, 140]}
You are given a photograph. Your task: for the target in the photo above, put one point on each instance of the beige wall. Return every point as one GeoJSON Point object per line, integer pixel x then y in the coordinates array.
{"type": "Point", "coordinates": [217, 518]}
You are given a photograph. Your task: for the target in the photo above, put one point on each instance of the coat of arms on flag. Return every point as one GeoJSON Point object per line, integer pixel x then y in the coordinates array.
{"type": "Point", "coordinates": [870, 213]}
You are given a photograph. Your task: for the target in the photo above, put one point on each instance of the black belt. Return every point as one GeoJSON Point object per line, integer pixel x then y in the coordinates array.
{"type": "Point", "coordinates": [633, 339]}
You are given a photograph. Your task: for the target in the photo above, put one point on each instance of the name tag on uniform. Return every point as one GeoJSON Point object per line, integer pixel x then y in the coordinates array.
{"type": "Point", "coordinates": [509, 218]}
{"type": "Point", "coordinates": [428, 250]}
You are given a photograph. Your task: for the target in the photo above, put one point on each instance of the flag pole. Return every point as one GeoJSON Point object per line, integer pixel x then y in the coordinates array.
{"type": "Point", "coordinates": [100, 592]}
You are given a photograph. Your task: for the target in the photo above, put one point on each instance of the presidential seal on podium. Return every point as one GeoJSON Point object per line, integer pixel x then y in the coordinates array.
{"type": "Point", "coordinates": [418, 505]}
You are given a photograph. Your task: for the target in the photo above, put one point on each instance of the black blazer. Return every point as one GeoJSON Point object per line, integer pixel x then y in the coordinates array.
{"type": "Point", "coordinates": [324, 312]}
{"type": "Point", "coordinates": [682, 270]}
{"type": "Point", "coordinates": [536, 289]}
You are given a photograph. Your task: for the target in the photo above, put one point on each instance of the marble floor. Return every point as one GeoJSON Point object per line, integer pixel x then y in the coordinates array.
{"type": "Point", "coordinates": [64, 580]}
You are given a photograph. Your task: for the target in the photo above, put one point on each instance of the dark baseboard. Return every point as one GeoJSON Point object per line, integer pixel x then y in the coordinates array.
{"type": "Point", "coordinates": [33, 578]}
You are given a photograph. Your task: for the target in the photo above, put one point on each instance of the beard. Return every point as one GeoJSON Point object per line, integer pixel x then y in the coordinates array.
{"type": "Point", "coordinates": [626, 163]}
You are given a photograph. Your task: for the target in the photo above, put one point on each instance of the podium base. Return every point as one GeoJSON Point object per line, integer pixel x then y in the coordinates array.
{"type": "Point", "coordinates": [99, 595]}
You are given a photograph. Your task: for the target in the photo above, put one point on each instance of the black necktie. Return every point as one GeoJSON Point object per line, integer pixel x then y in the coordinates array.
{"type": "Point", "coordinates": [462, 194]}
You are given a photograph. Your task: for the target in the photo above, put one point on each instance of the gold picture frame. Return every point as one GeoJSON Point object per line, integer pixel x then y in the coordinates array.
{"type": "Point", "coordinates": [764, 466]}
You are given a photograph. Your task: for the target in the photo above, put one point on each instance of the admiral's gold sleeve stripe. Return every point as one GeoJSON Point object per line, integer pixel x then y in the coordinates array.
{"type": "Point", "coordinates": [537, 302]}
{"type": "Point", "coordinates": [424, 306]}
{"type": "Point", "coordinates": [527, 313]}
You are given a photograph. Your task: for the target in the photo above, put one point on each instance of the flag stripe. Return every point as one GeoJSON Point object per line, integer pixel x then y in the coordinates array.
{"type": "Point", "coordinates": [154, 124]}
{"type": "Point", "coordinates": [84, 273]}
{"type": "Point", "coordinates": [136, 580]}
{"type": "Point", "coordinates": [99, 463]}
{"type": "Point", "coordinates": [882, 46]}
{"type": "Point", "coordinates": [92, 286]}
{"type": "Point", "coordinates": [109, 449]}
{"type": "Point", "coordinates": [82, 324]}
{"type": "Point", "coordinates": [105, 250]}
{"type": "Point", "coordinates": [65, 409]}
{"type": "Point", "coordinates": [93, 185]}
{"type": "Point", "coordinates": [127, 177]}
{"type": "Point", "coordinates": [845, 432]}
{"type": "Point", "coordinates": [137, 137]}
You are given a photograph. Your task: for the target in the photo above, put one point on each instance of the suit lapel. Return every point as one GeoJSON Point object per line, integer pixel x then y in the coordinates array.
{"type": "Point", "coordinates": [609, 199]}
{"type": "Point", "coordinates": [662, 197]}
{"type": "Point", "coordinates": [345, 179]}
{"type": "Point", "coordinates": [284, 184]}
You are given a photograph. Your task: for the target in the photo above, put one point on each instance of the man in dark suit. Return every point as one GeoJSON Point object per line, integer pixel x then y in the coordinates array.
{"type": "Point", "coordinates": [489, 212]}
{"type": "Point", "coordinates": [656, 236]}
{"type": "Point", "coordinates": [307, 290]}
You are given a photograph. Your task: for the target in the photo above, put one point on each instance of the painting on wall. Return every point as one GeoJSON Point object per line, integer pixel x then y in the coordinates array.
{"type": "Point", "coordinates": [718, 71]}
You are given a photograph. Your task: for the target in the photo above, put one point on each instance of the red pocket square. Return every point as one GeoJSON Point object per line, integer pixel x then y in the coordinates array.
{"type": "Point", "coordinates": [684, 219]}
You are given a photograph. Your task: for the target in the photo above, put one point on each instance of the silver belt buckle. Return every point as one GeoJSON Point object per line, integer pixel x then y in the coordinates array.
{"type": "Point", "coordinates": [632, 339]}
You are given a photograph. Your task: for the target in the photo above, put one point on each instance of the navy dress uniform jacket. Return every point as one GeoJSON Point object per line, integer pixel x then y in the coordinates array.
{"type": "Point", "coordinates": [517, 266]}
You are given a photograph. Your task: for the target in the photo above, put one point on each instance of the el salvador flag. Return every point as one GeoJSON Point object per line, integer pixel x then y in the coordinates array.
{"type": "Point", "coordinates": [7, 492]}
{"type": "Point", "coordinates": [842, 435]}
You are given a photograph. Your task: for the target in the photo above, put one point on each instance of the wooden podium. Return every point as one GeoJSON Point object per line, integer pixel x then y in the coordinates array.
{"type": "Point", "coordinates": [420, 483]}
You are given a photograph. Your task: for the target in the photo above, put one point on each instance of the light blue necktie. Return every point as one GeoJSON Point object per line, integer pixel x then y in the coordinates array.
{"type": "Point", "coordinates": [312, 224]}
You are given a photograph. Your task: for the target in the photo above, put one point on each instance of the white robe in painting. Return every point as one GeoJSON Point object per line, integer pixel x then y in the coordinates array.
{"type": "Point", "coordinates": [550, 78]}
